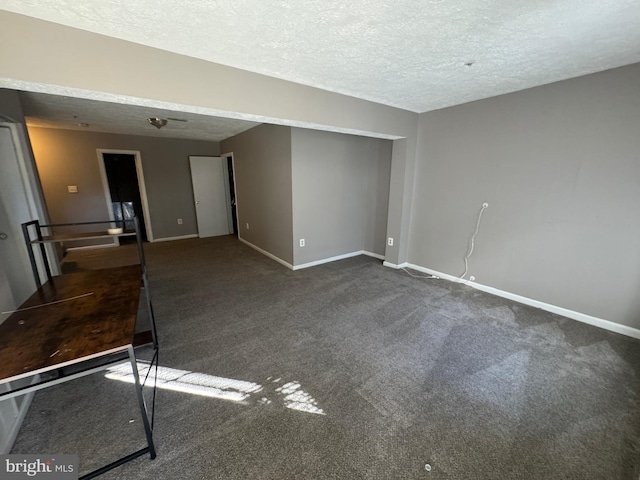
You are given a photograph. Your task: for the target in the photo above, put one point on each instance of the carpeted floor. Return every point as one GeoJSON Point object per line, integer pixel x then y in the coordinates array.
{"type": "Point", "coordinates": [349, 370]}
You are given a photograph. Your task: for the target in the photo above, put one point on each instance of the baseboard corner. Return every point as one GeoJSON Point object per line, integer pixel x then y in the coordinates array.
{"type": "Point", "coordinates": [393, 265]}
{"type": "Point", "coordinates": [372, 254]}
{"type": "Point", "coordinates": [328, 260]}
{"type": "Point", "coordinates": [266, 254]}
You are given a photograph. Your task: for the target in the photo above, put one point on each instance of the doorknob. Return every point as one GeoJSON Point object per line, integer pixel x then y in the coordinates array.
{"type": "Point", "coordinates": [3, 236]}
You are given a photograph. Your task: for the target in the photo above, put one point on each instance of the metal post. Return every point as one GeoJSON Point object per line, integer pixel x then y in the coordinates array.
{"type": "Point", "coordinates": [143, 408]}
{"type": "Point", "coordinates": [140, 249]}
{"type": "Point", "coordinates": [32, 258]}
{"type": "Point", "coordinates": [145, 282]}
{"type": "Point", "coordinates": [147, 296]}
{"type": "Point", "coordinates": [43, 251]}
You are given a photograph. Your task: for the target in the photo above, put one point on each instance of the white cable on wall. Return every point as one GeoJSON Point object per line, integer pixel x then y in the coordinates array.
{"type": "Point", "coordinates": [473, 240]}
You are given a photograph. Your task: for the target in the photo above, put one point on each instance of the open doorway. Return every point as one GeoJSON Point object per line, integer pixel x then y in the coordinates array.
{"type": "Point", "coordinates": [125, 191]}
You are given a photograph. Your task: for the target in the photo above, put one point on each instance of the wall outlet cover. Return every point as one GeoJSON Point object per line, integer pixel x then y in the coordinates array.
{"type": "Point", "coordinates": [302, 242]}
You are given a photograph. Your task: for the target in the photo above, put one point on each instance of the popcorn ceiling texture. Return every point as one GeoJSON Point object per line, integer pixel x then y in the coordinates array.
{"type": "Point", "coordinates": [405, 53]}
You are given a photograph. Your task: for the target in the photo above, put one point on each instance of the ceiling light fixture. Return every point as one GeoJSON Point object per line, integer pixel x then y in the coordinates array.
{"type": "Point", "coordinates": [157, 122]}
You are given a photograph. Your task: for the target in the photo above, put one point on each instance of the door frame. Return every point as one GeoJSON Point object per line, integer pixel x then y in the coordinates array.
{"type": "Point", "coordinates": [235, 190]}
{"type": "Point", "coordinates": [141, 186]}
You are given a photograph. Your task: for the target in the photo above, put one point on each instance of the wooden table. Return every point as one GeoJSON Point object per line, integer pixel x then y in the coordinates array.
{"type": "Point", "coordinates": [69, 320]}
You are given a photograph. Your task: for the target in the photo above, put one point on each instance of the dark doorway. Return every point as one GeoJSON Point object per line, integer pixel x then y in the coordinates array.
{"type": "Point", "coordinates": [232, 194]}
{"type": "Point", "coordinates": [125, 191]}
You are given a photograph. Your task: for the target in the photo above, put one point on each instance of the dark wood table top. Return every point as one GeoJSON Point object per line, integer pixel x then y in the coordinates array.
{"type": "Point", "coordinates": [95, 315]}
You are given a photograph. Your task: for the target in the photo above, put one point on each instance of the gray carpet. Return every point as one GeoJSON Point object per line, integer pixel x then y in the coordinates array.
{"type": "Point", "coordinates": [358, 372]}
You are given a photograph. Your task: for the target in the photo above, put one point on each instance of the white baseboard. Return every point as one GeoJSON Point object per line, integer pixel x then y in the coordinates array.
{"type": "Point", "coordinates": [374, 255]}
{"type": "Point", "coordinates": [264, 252]}
{"type": "Point", "coordinates": [310, 264]}
{"type": "Point", "coordinates": [565, 312]}
{"type": "Point", "coordinates": [170, 239]}
{"type": "Point", "coordinates": [393, 265]}
{"type": "Point", "coordinates": [327, 260]}
{"type": "Point", "coordinates": [337, 257]}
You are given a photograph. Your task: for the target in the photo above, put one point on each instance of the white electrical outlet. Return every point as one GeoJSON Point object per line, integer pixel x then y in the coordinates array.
{"type": "Point", "coordinates": [179, 221]}
{"type": "Point", "coordinates": [390, 241]}
{"type": "Point", "coordinates": [247, 226]}
{"type": "Point", "coordinates": [72, 188]}
{"type": "Point", "coordinates": [302, 242]}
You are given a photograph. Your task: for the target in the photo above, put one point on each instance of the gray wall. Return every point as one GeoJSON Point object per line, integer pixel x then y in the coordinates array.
{"type": "Point", "coordinates": [559, 166]}
{"type": "Point", "coordinates": [69, 157]}
{"type": "Point", "coordinates": [262, 157]}
{"type": "Point", "coordinates": [340, 194]}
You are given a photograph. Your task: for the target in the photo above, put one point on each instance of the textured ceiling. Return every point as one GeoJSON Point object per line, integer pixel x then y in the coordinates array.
{"type": "Point", "coordinates": [406, 53]}
{"type": "Point", "coordinates": [54, 111]}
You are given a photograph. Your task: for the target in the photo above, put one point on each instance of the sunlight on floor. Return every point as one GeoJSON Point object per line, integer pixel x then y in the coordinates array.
{"type": "Point", "coordinates": [290, 394]}
{"type": "Point", "coordinates": [297, 399]}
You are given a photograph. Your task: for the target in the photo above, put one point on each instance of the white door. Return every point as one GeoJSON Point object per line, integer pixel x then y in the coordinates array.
{"type": "Point", "coordinates": [16, 281]}
{"type": "Point", "coordinates": [16, 278]}
{"type": "Point", "coordinates": [210, 179]}
{"type": "Point", "coordinates": [7, 249]}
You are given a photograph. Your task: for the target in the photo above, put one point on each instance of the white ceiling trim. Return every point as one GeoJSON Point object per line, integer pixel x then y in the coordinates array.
{"type": "Point", "coordinates": [122, 101]}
